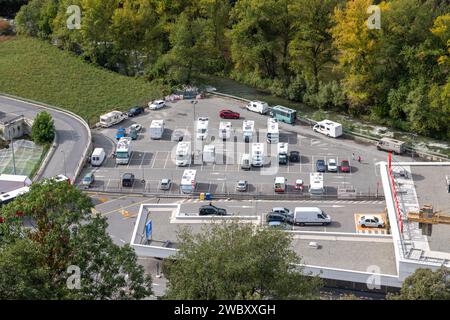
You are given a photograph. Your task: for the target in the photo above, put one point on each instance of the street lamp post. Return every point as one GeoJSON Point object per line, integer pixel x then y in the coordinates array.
{"type": "Point", "coordinates": [64, 159]}
{"type": "Point", "coordinates": [12, 147]}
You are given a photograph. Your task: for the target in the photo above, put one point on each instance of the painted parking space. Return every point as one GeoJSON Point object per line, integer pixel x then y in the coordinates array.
{"type": "Point", "coordinates": [370, 230]}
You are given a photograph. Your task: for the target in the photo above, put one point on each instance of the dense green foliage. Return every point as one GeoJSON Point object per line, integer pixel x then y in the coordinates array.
{"type": "Point", "coordinates": [425, 284]}
{"type": "Point", "coordinates": [237, 261]}
{"type": "Point", "coordinates": [43, 129]}
{"type": "Point", "coordinates": [320, 52]}
{"type": "Point", "coordinates": [62, 232]}
{"type": "Point", "coordinates": [36, 70]}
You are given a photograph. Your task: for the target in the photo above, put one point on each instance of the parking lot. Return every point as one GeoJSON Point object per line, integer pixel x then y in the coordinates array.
{"type": "Point", "coordinates": [153, 160]}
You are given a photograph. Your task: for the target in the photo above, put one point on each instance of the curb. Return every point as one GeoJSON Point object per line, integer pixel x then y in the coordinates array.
{"type": "Point", "coordinates": [69, 113]}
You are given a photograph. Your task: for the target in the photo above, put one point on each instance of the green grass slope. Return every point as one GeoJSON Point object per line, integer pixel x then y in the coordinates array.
{"type": "Point", "coordinates": [36, 70]}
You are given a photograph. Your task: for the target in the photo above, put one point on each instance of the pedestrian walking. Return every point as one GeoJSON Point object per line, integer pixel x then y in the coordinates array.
{"type": "Point", "coordinates": [359, 159]}
{"type": "Point", "coordinates": [353, 156]}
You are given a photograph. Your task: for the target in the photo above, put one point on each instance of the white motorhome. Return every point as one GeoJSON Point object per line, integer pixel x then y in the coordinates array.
{"type": "Point", "coordinates": [283, 153]}
{"type": "Point", "coordinates": [97, 157]}
{"type": "Point", "coordinates": [310, 215]}
{"type": "Point", "coordinates": [389, 144]}
{"type": "Point", "coordinates": [111, 118]}
{"type": "Point", "coordinates": [248, 127]}
{"type": "Point", "coordinates": [329, 128]}
{"type": "Point", "coordinates": [202, 128]}
{"type": "Point", "coordinates": [183, 154]}
{"type": "Point", "coordinates": [224, 130]}
{"type": "Point", "coordinates": [280, 184]}
{"type": "Point", "coordinates": [257, 154]}
{"type": "Point", "coordinates": [123, 151]}
{"type": "Point", "coordinates": [209, 154]}
{"type": "Point", "coordinates": [316, 183]}
{"type": "Point", "coordinates": [258, 106]}
{"type": "Point", "coordinates": [188, 182]}
{"type": "Point", "coordinates": [246, 162]}
{"type": "Point", "coordinates": [273, 133]}
{"type": "Point", "coordinates": [156, 129]}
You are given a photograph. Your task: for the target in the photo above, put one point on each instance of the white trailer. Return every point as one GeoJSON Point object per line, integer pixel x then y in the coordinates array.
{"type": "Point", "coordinates": [329, 128]}
{"type": "Point", "coordinates": [316, 183]}
{"type": "Point", "coordinates": [248, 127]}
{"type": "Point", "coordinates": [258, 106]}
{"type": "Point", "coordinates": [257, 154]}
{"type": "Point", "coordinates": [111, 118]}
{"type": "Point", "coordinates": [202, 128]}
{"type": "Point", "coordinates": [390, 144]}
{"type": "Point", "coordinates": [183, 154]}
{"type": "Point", "coordinates": [209, 154]}
{"type": "Point", "coordinates": [156, 129]}
{"type": "Point", "coordinates": [273, 133]}
{"type": "Point", "coordinates": [224, 130]}
{"type": "Point", "coordinates": [123, 151]}
{"type": "Point", "coordinates": [188, 182]}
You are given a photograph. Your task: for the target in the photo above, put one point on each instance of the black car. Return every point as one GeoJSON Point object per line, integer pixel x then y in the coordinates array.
{"type": "Point", "coordinates": [294, 156]}
{"type": "Point", "coordinates": [127, 180]}
{"type": "Point", "coordinates": [135, 111]}
{"type": "Point", "coordinates": [272, 216]}
{"type": "Point", "coordinates": [320, 166]}
{"type": "Point", "coordinates": [210, 210]}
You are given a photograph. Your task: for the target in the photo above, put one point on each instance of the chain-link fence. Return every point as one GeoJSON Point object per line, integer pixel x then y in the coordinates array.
{"type": "Point", "coordinates": [26, 156]}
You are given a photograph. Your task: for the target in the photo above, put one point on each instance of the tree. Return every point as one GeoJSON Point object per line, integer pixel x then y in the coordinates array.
{"type": "Point", "coordinates": [425, 284]}
{"type": "Point", "coordinates": [43, 129]}
{"type": "Point", "coordinates": [237, 261]}
{"type": "Point", "coordinates": [64, 233]}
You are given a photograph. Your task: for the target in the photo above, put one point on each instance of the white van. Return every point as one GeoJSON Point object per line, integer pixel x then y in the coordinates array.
{"type": "Point", "coordinates": [329, 128]}
{"type": "Point", "coordinates": [97, 157]}
{"type": "Point", "coordinates": [246, 163]}
{"type": "Point", "coordinates": [310, 215]}
{"type": "Point", "coordinates": [258, 106]}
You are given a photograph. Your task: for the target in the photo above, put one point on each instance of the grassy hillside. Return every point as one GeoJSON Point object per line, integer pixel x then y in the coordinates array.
{"type": "Point", "coordinates": [36, 70]}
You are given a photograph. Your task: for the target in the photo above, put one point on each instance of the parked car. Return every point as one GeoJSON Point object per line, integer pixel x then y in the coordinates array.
{"type": "Point", "coordinates": [242, 185]}
{"type": "Point", "coordinates": [178, 135]}
{"type": "Point", "coordinates": [280, 214]}
{"type": "Point", "coordinates": [332, 165]}
{"type": "Point", "coordinates": [88, 180]}
{"type": "Point", "coordinates": [120, 133]}
{"type": "Point", "coordinates": [157, 104]}
{"type": "Point", "coordinates": [345, 166]}
{"type": "Point", "coordinates": [133, 134]}
{"type": "Point", "coordinates": [310, 215]}
{"type": "Point", "coordinates": [165, 184]}
{"type": "Point", "coordinates": [371, 222]}
{"type": "Point", "coordinates": [60, 177]}
{"type": "Point", "coordinates": [299, 185]}
{"type": "Point", "coordinates": [294, 156]}
{"type": "Point", "coordinates": [136, 126]}
{"type": "Point", "coordinates": [320, 166]}
{"type": "Point", "coordinates": [135, 111]}
{"type": "Point", "coordinates": [210, 210]}
{"type": "Point", "coordinates": [279, 225]}
{"type": "Point", "coordinates": [228, 114]}
{"type": "Point", "coordinates": [127, 180]}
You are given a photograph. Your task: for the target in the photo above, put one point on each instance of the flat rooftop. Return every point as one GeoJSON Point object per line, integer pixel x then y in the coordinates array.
{"type": "Point", "coordinates": [431, 188]}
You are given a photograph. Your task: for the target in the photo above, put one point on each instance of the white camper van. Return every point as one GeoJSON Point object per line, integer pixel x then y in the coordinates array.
{"type": "Point", "coordinates": [202, 128]}
{"type": "Point", "coordinates": [97, 157]}
{"type": "Point", "coordinates": [310, 215]}
{"type": "Point", "coordinates": [316, 183]}
{"type": "Point", "coordinates": [123, 151]}
{"type": "Point", "coordinates": [257, 154]}
{"type": "Point", "coordinates": [273, 133]}
{"type": "Point", "coordinates": [183, 154]}
{"type": "Point", "coordinates": [329, 128]}
{"type": "Point", "coordinates": [188, 182]}
{"type": "Point", "coordinates": [258, 106]}
{"type": "Point", "coordinates": [209, 154]}
{"type": "Point", "coordinates": [389, 144]}
{"type": "Point", "coordinates": [224, 130]}
{"type": "Point", "coordinates": [248, 127]}
{"type": "Point", "coordinates": [156, 129]}
{"type": "Point", "coordinates": [111, 118]}
{"type": "Point", "coordinates": [246, 162]}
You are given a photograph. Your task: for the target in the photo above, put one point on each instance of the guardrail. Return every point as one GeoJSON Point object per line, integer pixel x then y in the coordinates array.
{"type": "Point", "coordinates": [88, 148]}
{"type": "Point", "coordinates": [429, 155]}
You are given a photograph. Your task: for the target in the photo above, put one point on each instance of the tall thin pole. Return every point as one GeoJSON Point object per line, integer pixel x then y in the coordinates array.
{"type": "Point", "coordinates": [64, 157]}
{"type": "Point", "coordinates": [12, 149]}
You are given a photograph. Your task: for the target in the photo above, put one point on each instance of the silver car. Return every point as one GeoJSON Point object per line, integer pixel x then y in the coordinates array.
{"type": "Point", "coordinates": [371, 222]}
{"type": "Point", "coordinates": [242, 185]}
{"type": "Point", "coordinates": [165, 184]}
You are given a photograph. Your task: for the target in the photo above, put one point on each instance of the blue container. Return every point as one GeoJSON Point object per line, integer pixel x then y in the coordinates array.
{"type": "Point", "coordinates": [208, 196]}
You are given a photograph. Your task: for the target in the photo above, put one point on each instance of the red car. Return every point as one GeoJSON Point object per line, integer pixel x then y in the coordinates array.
{"type": "Point", "coordinates": [345, 166]}
{"type": "Point", "coordinates": [228, 114]}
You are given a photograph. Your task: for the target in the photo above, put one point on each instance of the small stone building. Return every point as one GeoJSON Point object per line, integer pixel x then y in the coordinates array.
{"type": "Point", "coordinates": [13, 126]}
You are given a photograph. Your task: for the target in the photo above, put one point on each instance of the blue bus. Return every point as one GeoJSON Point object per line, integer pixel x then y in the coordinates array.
{"type": "Point", "coordinates": [283, 114]}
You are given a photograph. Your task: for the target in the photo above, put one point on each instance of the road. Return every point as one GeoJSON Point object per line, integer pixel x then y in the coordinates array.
{"type": "Point", "coordinates": [71, 136]}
